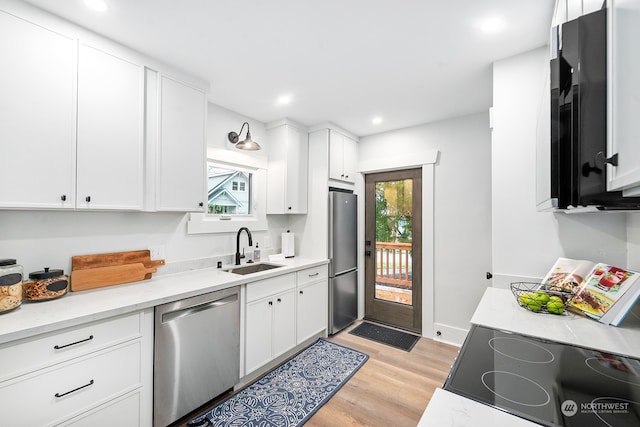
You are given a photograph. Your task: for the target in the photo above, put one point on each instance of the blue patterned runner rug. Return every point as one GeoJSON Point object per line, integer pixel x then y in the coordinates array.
{"type": "Point", "coordinates": [291, 393]}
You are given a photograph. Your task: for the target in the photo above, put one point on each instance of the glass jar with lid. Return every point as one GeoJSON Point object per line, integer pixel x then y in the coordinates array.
{"type": "Point", "coordinates": [10, 284]}
{"type": "Point", "coordinates": [45, 285]}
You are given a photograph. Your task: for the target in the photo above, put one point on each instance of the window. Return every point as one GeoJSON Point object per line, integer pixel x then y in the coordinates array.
{"type": "Point", "coordinates": [228, 210]}
{"type": "Point", "coordinates": [228, 191]}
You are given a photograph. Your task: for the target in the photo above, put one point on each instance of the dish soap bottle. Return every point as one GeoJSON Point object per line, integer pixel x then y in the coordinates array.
{"type": "Point", "coordinates": [256, 253]}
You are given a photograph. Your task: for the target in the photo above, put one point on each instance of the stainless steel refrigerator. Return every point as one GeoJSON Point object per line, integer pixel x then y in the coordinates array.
{"type": "Point", "coordinates": [343, 267]}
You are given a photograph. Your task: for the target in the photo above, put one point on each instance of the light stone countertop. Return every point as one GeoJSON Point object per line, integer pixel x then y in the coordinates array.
{"type": "Point", "coordinates": [452, 410]}
{"type": "Point", "coordinates": [33, 318]}
{"type": "Point", "coordinates": [498, 309]}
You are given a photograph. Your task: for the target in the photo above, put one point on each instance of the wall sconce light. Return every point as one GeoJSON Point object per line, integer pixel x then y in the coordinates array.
{"type": "Point", "coordinates": [248, 144]}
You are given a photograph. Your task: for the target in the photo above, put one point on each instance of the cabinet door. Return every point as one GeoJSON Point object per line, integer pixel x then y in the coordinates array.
{"type": "Point", "coordinates": [296, 171]}
{"type": "Point", "coordinates": [182, 147]}
{"type": "Point", "coordinates": [258, 333]}
{"type": "Point", "coordinates": [336, 156]}
{"type": "Point", "coordinates": [37, 116]}
{"type": "Point", "coordinates": [287, 171]}
{"type": "Point", "coordinates": [110, 131]}
{"type": "Point", "coordinates": [349, 159]}
{"type": "Point", "coordinates": [284, 322]}
{"type": "Point", "coordinates": [312, 310]}
{"type": "Point", "coordinates": [624, 94]}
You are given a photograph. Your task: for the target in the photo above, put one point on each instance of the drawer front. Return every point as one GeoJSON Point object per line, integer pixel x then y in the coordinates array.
{"type": "Point", "coordinates": [69, 389]}
{"type": "Point", "coordinates": [122, 412]}
{"type": "Point", "coordinates": [313, 274]}
{"type": "Point", "coordinates": [274, 285]}
{"type": "Point", "coordinates": [45, 350]}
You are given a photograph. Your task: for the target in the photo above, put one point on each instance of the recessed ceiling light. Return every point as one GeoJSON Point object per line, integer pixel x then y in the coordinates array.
{"type": "Point", "coordinates": [376, 120]}
{"type": "Point", "coordinates": [492, 25]}
{"type": "Point", "coordinates": [284, 100]}
{"type": "Point", "coordinates": [97, 5]}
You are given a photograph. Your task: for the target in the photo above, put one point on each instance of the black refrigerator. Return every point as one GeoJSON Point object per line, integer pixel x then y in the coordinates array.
{"type": "Point", "coordinates": [343, 266]}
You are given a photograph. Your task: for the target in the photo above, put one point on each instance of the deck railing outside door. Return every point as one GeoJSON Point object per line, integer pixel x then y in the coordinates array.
{"type": "Point", "coordinates": [393, 264]}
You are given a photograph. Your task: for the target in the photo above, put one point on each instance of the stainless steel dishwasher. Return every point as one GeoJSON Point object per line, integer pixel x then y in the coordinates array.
{"type": "Point", "coordinates": [197, 352]}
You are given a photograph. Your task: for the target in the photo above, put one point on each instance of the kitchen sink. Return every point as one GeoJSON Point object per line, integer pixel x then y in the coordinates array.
{"type": "Point", "coordinates": [251, 268]}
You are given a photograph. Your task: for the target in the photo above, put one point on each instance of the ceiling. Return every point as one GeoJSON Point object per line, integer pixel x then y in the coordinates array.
{"type": "Point", "coordinates": [345, 61]}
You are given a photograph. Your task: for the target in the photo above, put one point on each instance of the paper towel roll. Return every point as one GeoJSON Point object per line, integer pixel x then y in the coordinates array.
{"type": "Point", "coordinates": [288, 245]}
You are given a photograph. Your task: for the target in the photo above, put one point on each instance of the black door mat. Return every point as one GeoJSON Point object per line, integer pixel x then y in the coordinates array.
{"type": "Point", "coordinates": [381, 334]}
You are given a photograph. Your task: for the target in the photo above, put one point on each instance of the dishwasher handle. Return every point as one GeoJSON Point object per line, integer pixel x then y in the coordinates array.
{"type": "Point", "coordinates": [188, 311]}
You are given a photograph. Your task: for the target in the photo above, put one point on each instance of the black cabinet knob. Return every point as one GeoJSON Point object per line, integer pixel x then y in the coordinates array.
{"type": "Point", "coordinates": [87, 199]}
{"type": "Point", "coordinates": [270, 302]}
{"type": "Point", "coordinates": [201, 204]}
{"type": "Point", "coordinates": [279, 300]}
{"type": "Point", "coordinates": [602, 159]}
{"type": "Point", "coordinates": [63, 197]}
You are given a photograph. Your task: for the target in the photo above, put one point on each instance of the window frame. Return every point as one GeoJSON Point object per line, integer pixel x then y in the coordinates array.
{"type": "Point", "coordinates": [200, 222]}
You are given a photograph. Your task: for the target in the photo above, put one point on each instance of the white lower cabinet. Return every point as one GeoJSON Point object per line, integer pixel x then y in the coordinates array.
{"type": "Point", "coordinates": [282, 312]}
{"type": "Point", "coordinates": [122, 412]}
{"type": "Point", "coordinates": [312, 302]}
{"type": "Point", "coordinates": [106, 375]}
{"type": "Point", "coordinates": [270, 320]}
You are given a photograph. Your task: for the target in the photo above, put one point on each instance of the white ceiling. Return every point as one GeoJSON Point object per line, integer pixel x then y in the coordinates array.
{"type": "Point", "coordinates": [345, 61]}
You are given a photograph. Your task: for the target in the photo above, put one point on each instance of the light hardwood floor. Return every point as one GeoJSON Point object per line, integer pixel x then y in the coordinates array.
{"type": "Point", "coordinates": [391, 389]}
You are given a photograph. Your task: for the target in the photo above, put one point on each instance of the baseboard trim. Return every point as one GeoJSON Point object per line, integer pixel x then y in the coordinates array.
{"type": "Point", "coordinates": [449, 334]}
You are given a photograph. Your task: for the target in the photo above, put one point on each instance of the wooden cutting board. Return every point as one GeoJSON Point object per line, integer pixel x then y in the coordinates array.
{"type": "Point", "coordinates": [83, 262]}
{"type": "Point", "coordinates": [98, 277]}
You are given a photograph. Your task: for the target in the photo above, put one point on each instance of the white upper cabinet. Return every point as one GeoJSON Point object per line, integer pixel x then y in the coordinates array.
{"type": "Point", "coordinates": [37, 116]}
{"type": "Point", "coordinates": [342, 157]}
{"type": "Point", "coordinates": [86, 123]}
{"type": "Point", "coordinates": [623, 94]}
{"type": "Point", "coordinates": [181, 162]}
{"type": "Point", "coordinates": [110, 156]}
{"type": "Point", "coordinates": [288, 168]}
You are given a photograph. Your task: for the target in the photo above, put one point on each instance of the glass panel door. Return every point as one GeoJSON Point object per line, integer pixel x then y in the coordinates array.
{"type": "Point", "coordinates": [393, 218]}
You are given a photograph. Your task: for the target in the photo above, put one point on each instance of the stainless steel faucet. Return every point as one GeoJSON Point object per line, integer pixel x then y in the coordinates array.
{"type": "Point", "coordinates": [238, 243]}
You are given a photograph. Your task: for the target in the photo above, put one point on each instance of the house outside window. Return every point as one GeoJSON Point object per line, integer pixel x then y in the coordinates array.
{"type": "Point", "coordinates": [229, 191]}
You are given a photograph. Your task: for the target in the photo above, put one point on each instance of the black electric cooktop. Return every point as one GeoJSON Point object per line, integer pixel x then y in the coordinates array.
{"type": "Point", "coordinates": [547, 382]}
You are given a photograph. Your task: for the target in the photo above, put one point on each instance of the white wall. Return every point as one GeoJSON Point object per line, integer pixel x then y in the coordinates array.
{"type": "Point", "coordinates": [462, 217]}
{"type": "Point", "coordinates": [526, 243]}
{"type": "Point", "coordinates": [39, 239]}
{"type": "Point", "coordinates": [633, 241]}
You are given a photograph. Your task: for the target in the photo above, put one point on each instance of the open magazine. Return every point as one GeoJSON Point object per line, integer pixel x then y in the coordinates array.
{"type": "Point", "coordinates": [600, 291]}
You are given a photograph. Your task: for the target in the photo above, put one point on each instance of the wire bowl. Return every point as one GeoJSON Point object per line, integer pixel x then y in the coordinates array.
{"type": "Point", "coordinates": [531, 296]}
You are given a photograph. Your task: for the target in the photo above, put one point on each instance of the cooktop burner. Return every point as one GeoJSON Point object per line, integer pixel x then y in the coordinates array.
{"type": "Point", "coordinates": [547, 382]}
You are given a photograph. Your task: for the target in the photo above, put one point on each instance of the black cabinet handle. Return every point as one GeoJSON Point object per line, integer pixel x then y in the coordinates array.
{"type": "Point", "coordinates": [87, 199]}
{"type": "Point", "coordinates": [279, 300]}
{"type": "Point", "coordinates": [63, 197]}
{"type": "Point", "coordinates": [270, 302]}
{"type": "Point", "coordinates": [58, 347]}
{"type": "Point", "coordinates": [602, 159]}
{"type": "Point", "coordinates": [75, 389]}
{"type": "Point", "coordinates": [201, 204]}
{"type": "Point", "coordinates": [301, 292]}
{"type": "Point", "coordinates": [289, 208]}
